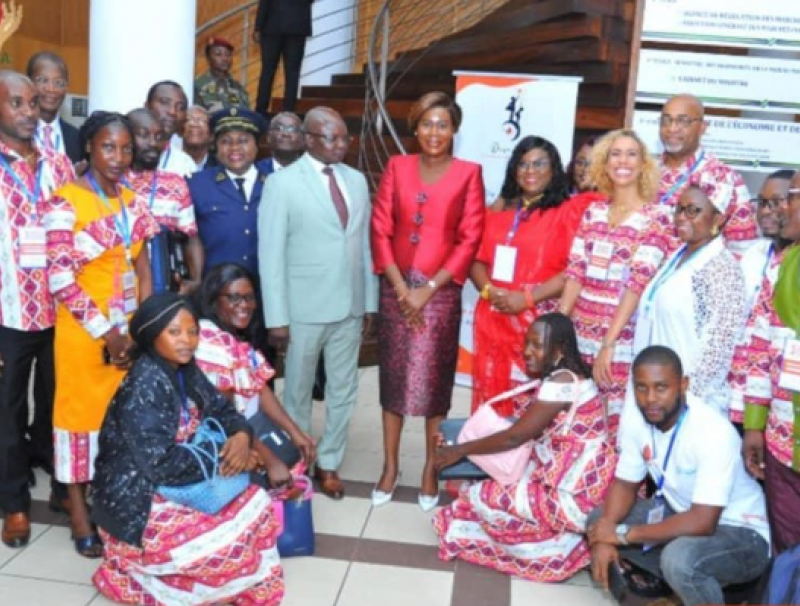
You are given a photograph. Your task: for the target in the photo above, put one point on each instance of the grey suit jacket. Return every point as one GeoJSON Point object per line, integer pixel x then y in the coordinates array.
{"type": "Point", "coordinates": [312, 270]}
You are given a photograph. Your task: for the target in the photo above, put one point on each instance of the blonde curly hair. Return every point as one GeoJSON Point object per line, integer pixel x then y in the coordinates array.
{"type": "Point", "coordinates": [649, 177]}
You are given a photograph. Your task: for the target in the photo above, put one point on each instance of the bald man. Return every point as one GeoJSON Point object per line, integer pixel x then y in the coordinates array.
{"type": "Point", "coordinates": [682, 126]}
{"type": "Point", "coordinates": [29, 174]}
{"type": "Point", "coordinates": [319, 288]}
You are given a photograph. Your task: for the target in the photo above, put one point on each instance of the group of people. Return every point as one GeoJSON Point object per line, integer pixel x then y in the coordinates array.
{"type": "Point", "coordinates": [150, 278]}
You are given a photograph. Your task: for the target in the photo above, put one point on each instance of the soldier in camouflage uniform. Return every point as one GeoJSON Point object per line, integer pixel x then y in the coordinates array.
{"type": "Point", "coordinates": [215, 89]}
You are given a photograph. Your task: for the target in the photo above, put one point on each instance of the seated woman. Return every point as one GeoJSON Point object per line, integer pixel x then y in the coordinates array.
{"type": "Point", "coordinates": [533, 529]}
{"type": "Point", "coordinates": [227, 303]}
{"type": "Point", "coordinates": [155, 550]}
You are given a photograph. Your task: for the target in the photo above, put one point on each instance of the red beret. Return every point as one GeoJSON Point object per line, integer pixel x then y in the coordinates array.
{"type": "Point", "coordinates": [217, 41]}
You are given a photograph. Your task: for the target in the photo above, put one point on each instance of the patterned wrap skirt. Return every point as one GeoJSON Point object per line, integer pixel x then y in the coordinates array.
{"type": "Point", "coordinates": [418, 365]}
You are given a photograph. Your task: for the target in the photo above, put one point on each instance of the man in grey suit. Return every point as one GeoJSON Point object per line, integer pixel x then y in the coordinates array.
{"type": "Point", "coordinates": [320, 292]}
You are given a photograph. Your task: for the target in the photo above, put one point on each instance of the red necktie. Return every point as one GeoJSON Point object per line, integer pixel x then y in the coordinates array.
{"type": "Point", "coordinates": [48, 136]}
{"type": "Point", "coordinates": [337, 196]}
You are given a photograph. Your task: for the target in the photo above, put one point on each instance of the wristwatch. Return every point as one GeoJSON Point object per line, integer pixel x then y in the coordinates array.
{"type": "Point", "coordinates": [433, 284]}
{"type": "Point", "coordinates": [622, 531]}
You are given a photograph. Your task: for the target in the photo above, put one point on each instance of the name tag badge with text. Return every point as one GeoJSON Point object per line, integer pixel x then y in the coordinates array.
{"type": "Point", "coordinates": [32, 248]}
{"type": "Point", "coordinates": [790, 370]}
{"type": "Point", "coordinates": [654, 516]}
{"type": "Point", "coordinates": [600, 260]}
{"type": "Point", "coordinates": [129, 292]}
{"type": "Point", "coordinates": [505, 262]}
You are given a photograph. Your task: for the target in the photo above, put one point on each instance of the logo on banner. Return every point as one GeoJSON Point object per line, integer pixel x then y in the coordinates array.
{"type": "Point", "coordinates": [514, 109]}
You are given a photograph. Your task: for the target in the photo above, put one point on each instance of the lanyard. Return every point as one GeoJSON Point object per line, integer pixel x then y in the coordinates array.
{"type": "Point", "coordinates": [165, 158]}
{"type": "Point", "coordinates": [684, 178]}
{"type": "Point", "coordinates": [153, 186]}
{"type": "Point", "coordinates": [253, 359]}
{"type": "Point", "coordinates": [515, 226]}
{"type": "Point", "coordinates": [37, 190]}
{"type": "Point", "coordinates": [660, 485]}
{"type": "Point", "coordinates": [184, 399]}
{"type": "Point", "coordinates": [665, 275]}
{"type": "Point", "coordinates": [124, 225]}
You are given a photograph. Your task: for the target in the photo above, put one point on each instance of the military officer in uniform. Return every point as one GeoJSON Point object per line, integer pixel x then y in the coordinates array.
{"type": "Point", "coordinates": [216, 89]}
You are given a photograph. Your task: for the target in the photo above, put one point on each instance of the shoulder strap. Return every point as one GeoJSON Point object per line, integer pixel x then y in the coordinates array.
{"type": "Point", "coordinates": [513, 392]}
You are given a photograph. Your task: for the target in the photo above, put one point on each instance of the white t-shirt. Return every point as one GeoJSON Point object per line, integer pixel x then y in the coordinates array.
{"type": "Point", "coordinates": [174, 160]}
{"type": "Point", "coordinates": [705, 466]}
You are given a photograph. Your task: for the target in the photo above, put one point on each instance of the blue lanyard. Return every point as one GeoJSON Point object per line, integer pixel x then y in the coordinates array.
{"type": "Point", "coordinates": [660, 485]}
{"type": "Point", "coordinates": [153, 186]}
{"type": "Point", "coordinates": [684, 178]}
{"type": "Point", "coordinates": [33, 197]}
{"type": "Point", "coordinates": [515, 226]}
{"type": "Point", "coordinates": [670, 269]}
{"type": "Point", "coordinates": [165, 158]}
{"type": "Point", "coordinates": [124, 225]}
{"type": "Point", "coordinates": [184, 399]}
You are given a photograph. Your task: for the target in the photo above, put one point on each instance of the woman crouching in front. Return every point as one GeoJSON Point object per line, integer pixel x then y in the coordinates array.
{"type": "Point", "coordinates": [534, 528]}
{"type": "Point", "coordinates": [155, 550]}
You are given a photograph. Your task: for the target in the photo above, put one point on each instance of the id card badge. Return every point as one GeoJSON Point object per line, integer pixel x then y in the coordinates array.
{"type": "Point", "coordinates": [654, 516]}
{"type": "Point", "coordinates": [600, 260]}
{"type": "Point", "coordinates": [129, 292]}
{"type": "Point", "coordinates": [790, 370]}
{"type": "Point", "coordinates": [32, 253]}
{"type": "Point", "coordinates": [505, 263]}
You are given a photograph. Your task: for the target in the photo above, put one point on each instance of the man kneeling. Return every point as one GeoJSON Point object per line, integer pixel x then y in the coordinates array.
{"type": "Point", "coordinates": [706, 526]}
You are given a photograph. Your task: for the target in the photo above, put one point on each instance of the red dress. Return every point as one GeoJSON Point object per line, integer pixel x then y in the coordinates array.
{"type": "Point", "coordinates": [543, 242]}
{"type": "Point", "coordinates": [423, 228]}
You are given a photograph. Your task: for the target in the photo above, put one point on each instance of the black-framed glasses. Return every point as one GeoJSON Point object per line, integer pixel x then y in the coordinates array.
{"type": "Point", "coordinates": [537, 165]}
{"type": "Point", "coordinates": [285, 128]}
{"type": "Point", "coordinates": [236, 299]}
{"type": "Point", "coordinates": [768, 203]}
{"type": "Point", "coordinates": [690, 210]}
{"type": "Point", "coordinates": [331, 139]}
{"type": "Point", "coordinates": [682, 121]}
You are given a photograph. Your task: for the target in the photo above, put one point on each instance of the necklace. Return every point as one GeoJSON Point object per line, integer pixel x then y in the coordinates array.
{"type": "Point", "coordinates": [527, 203]}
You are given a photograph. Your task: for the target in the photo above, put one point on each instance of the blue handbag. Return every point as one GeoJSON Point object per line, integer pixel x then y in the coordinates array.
{"type": "Point", "coordinates": [297, 534]}
{"type": "Point", "coordinates": [215, 491]}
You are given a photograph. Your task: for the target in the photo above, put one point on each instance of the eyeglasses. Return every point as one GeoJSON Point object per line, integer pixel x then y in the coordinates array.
{"type": "Point", "coordinates": [236, 299]}
{"type": "Point", "coordinates": [59, 83]}
{"type": "Point", "coordinates": [539, 165]}
{"type": "Point", "coordinates": [768, 203]}
{"type": "Point", "coordinates": [331, 139]}
{"type": "Point", "coordinates": [581, 163]}
{"type": "Point", "coordinates": [682, 121]}
{"type": "Point", "coordinates": [285, 128]}
{"type": "Point", "coordinates": [691, 211]}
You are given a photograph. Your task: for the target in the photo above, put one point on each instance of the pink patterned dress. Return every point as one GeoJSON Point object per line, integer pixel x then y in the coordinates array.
{"type": "Point", "coordinates": [535, 529]}
{"type": "Point", "coordinates": [195, 559]}
{"type": "Point", "coordinates": [606, 261]}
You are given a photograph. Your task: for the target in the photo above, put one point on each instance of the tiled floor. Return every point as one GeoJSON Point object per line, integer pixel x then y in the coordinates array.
{"type": "Point", "coordinates": [365, 556]}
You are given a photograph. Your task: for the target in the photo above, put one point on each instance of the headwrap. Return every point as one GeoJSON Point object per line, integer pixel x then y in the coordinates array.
{"type": "Point", "coordinates": [719, 193]}
{"type": "Point", "coordinates": [154, 315]}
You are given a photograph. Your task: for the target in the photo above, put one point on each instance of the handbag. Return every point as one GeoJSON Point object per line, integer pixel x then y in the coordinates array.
{"type": "Point", "coordinates": [215, 491]}
{"type": "Point", "coordinates": [275, 438]}
{"type": "Point", "coordinates": [295, 518]}
{"type": "Point", "coordinates": [463, 469]}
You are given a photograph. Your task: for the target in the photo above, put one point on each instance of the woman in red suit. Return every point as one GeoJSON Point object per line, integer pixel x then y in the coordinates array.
{"type": "Point", "coordinates": [519, 270]}
{"type": "Point", "coordinates": [427, 223]}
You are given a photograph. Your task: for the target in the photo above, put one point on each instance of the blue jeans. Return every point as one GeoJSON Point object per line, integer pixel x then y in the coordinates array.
{"type": "Point", "coordinates": [697, 568]}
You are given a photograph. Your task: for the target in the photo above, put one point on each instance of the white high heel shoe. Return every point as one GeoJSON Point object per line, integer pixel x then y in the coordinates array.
{"type": "Point", "coordinates": [380, 498]}
{"type": "Point", "coordinates": [427, 503]}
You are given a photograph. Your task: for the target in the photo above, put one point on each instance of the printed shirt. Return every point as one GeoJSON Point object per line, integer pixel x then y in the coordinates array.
{"type": "Point", "coordinates": [741, 228]}
{"type": "Point", "coordinates": [171, 205]}
{"type": "Point", "coordinates": [764, 356]}
{"type": "Point", "coordinates": [25, 301]}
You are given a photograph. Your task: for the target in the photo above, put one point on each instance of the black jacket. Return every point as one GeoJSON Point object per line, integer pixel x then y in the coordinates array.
{"type": "Point", "coordinates": [72, 141]}
{"type": "Point", "coordinates": [137, 450]}
{"type": "Point", "coordinates": [291, 17]}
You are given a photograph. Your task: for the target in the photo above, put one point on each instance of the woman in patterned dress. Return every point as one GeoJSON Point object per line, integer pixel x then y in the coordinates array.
{"type": "Point", "coordinates": [156, 551]}
{"type": "Point", "coordinates": [228, 326]}
{"type": "Point", "coordinates": [619, 246]}
{"type": "Point", "coordinates": [534, 528]}
{"type": "Point", "coordinates": [538, 220]}
{"type": "Point", "coordinates": [98, 272]}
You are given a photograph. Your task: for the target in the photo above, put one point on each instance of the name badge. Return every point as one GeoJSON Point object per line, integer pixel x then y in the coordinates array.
{"type": "Point", "coordinates": [600, 260]}
{"type": "Point", "coordinates": [790, 371]}
{"type": "Point", "coordinates": [129, 292]}
{"type": "Point", "coordinates": [654, 516]}
{"type": "Point", "coordinates": [32, 248]}
{"type": "Point", "coordinates": [505, 262]}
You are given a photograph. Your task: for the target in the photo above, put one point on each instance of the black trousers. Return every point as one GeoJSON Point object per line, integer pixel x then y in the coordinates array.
{"type": "Point", "coordinates": [273, 47]}
{"type": "Point", "coordinates": [24, 446]}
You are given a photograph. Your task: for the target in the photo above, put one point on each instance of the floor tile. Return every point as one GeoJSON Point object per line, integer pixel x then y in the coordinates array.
{"type": "Point", "coordinates": [53, 558]}
{"type": "Point", "coordinates": [7, 554]}
{"type": "Point", "coordinates": [362, 466]}
{"type": "Point", "coordinates": [401, 522]}
{"type": "Point", "coordinates": [19, 591]}
{"type": "Point", "coordinates": [346, 517]}
{"type": "Point", "coordinates": [583, 578]}
{"type": "Point", "coordinates": [524, 593]}
{"type": "Point", "coordinates": [369, 584]}
{"type": "Point", "coordinates": [313, 581]}
{"type": "Point", "coordinates": [101, 600]}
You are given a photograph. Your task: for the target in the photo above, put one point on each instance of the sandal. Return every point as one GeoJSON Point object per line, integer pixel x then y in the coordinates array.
{"type": "Point", "coordinates": [89, 547]}
{"type": "Point", "coordinates": [643, 583]}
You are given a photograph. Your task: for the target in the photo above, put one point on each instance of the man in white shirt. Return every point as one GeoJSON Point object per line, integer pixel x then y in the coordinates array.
{"type": "Point", "coordinates": [167, 101]}
{"type": "Point", "coordinates": [706, 527]}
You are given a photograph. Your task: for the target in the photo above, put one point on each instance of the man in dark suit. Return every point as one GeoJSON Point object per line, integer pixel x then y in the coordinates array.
{"type": "Point", "coordinates": [281, 29]}
{"type": "Point", "coordinates": [51, 77]}
{"type": "Point", "coordinates": [226, 197]}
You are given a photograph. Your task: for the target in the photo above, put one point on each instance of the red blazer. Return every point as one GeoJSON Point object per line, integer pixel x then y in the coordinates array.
{"type": "Point", "coordinates": [453, 216]}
